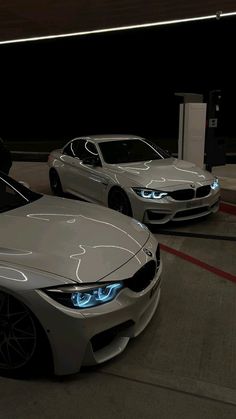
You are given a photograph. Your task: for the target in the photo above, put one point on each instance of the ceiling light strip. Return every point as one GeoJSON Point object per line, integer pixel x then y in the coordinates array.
{"type": "Point", "coordinates": [119, 28]}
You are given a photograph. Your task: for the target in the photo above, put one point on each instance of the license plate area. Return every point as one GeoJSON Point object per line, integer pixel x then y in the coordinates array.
{"type": "Point", "coordinates": [194, 204]}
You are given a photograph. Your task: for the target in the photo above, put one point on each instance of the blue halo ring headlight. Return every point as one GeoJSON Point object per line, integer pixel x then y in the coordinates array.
{"type": "Point", "coordinates": [150, 193]}
{"type": "Point", "coordinates": [95, 296]}
{"type": "Point", "coordinates": [79, 298]}
{"type": "Point", "coordinates": [215, 184]}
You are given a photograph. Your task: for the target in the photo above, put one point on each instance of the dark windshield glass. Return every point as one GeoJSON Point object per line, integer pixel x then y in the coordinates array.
{"type": "Point", "coordinates": [14, 194]}
{"type": "Point", "coordinates": [131, 150]}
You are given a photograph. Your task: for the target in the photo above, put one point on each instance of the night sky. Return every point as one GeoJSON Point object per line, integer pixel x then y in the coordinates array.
{"type": "Point", "coordinates": [121, 82]}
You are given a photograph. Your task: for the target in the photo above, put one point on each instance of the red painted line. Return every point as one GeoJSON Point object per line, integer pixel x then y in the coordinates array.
{"type": "Point", "coordinates": [229, 208]}
{"type": "Point", "coordinates": [203, 265]}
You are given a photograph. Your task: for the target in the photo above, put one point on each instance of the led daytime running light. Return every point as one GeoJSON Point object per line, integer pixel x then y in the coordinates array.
{"type": "Point", "coordinates": [96, 296]}
{"type": "Point", "coordinates": [215, 184]}
{"type": "Point", "coordinates": [149, 193]}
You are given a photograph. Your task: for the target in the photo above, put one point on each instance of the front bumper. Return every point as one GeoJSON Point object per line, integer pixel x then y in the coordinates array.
{"type": "Point", "coordinates": [95, 335]}
{"type": "Point", "coordinates": [168, 209]}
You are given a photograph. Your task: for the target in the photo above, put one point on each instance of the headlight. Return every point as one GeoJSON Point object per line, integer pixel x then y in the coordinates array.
{"type": "Point", "coordinates": [149, 193]}
{"type": "Point", "coordinates": [215, 184]}
{"type": "Point", "coordinates": [80, 298]}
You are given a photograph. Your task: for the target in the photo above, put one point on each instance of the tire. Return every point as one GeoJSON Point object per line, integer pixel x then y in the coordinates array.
{"type": "Point", "coordinates": [23, 345]}
{"type": "Point", "coordinates": [119, 201]}
{"type": "Point", "coordinates": [55, 183]}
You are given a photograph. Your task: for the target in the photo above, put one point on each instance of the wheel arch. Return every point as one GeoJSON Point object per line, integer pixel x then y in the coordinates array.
{"type": "Point", "coordinates": [44, 341]}
{"type": "Point", "coordinates": [119, 188]}
{"type": "Point", "coordinates": [113, 188]}
{"type": "Point", "coordinates": [54, 171]}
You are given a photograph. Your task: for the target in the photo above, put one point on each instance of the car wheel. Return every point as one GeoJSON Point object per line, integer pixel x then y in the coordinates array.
{"type": "Point", "coordinates": [55, 183]}
{"type": "Point", "coordinates": [119, 201]}
{"type": "Point", "coordinates": [20, 337]}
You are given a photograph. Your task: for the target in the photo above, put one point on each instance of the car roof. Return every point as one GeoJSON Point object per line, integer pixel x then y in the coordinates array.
{"type": "Point", "coordinates": [107, 137]}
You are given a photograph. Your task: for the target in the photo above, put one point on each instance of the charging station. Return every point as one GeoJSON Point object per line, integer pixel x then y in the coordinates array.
{"type": "Point", "coordinates": [192, 127]}
{"type": "Point", "coordinates": [215, 143]}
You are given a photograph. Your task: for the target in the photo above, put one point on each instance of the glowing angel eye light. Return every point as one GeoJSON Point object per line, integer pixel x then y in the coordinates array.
{"type": "Point", "coordinates": [81, 299]}
{"type": "Point", "coordinates": [215, 184]}
{"type": "Point", "coordinates": [159, 195]}
{"type": "Point", "coordinates": [149, 193]}
{"type": "Point", "coordinates": [146, 194]}
{"type": "Point", "coordinates": [96, 296]}
{"type": "Point", "coordinates": [107, 293]}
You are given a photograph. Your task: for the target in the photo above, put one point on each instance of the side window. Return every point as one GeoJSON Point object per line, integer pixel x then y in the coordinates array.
{"type": "Point", "coordinates": [70, 149]}
{"type": "Point", "coordinates": [81, 149]}
{"type": "Point", "coordinates": [90, 149]}
{"type": "Point", "coordinates": [86, 149]}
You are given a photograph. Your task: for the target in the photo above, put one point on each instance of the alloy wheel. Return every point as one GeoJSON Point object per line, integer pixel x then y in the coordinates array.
{"type": "Point", "coordinates": [18, 333]}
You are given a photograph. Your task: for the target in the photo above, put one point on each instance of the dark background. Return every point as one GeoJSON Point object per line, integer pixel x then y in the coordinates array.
{"type": "Point", "coordinates": [25, 18]}
{"type": "Point", "coordinates": [120, 82]}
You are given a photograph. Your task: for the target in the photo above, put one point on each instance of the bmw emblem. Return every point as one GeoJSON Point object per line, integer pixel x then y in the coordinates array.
{"type": "Point", "coordinates": [192, 185]}
{"type": "Point", "coordinates": [147, 252]}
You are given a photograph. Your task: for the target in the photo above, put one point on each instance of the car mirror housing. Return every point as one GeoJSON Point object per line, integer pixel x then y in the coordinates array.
{"type": "Point", "coordinates": [92, 161]}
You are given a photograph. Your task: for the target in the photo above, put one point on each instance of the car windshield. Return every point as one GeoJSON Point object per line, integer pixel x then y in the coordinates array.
{"type": "Point", "coordinates": [14, 194]}
{"type": "Point", "coordinates": [131, 151]}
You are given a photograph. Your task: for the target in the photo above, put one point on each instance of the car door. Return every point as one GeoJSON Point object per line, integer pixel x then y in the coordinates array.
{"type": "Point", "coordinates": [86, 180]}
{"type": "Point", "coordinates": [68, 170]}
{"type": "Point", "coordinates": [93, 182]}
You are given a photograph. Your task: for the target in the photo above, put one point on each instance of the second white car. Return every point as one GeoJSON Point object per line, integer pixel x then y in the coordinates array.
{"type": "Point", "coordinates": [134, 176]}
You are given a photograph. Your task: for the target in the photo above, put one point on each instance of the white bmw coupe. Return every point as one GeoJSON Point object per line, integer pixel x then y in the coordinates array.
{"type": "Point", "coordinates": [77, 281]}
{"type": "Point", "coordinates": [134, 176]}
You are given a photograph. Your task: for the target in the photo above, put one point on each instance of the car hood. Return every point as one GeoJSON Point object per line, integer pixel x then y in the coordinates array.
{"type": "Point", "coordinates": [156, 174]}
{"type": "Point", "coordinates": [76, 240]}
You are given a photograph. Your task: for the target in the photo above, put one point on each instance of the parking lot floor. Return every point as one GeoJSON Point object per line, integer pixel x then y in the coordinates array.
{"type": "Point", "coordinates": [182, 366]}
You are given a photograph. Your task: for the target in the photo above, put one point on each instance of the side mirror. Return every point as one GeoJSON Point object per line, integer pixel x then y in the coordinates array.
{"type": "Point", "coordinates": [92, 161]}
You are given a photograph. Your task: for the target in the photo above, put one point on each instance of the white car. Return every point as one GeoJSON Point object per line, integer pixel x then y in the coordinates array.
{"type": "Point", "coordinates": [134, 176]}
{"type": "Point", "coordinates": [77, 281]}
